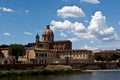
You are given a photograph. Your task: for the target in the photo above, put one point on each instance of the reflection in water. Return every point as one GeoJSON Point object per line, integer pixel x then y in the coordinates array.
{"type": "Point", "coordinates": [96, 75]}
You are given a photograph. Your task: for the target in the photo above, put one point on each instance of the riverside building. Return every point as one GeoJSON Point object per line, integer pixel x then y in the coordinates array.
{"type": "Point", "coordinates": [49, 51]}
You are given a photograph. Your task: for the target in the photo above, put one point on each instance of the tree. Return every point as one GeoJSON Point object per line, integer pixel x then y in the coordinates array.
{"type": "Point", "coordinates": [107, 58]}
{"type": "Point", "coordinates": [115, 56]}
{"type": "Point", "coordinates": [99, 58]}
{"type": "Point", "coordinates": [16, 50]}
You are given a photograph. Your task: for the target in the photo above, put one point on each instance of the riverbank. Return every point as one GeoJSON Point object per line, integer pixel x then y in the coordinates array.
{"type": "Point", "coordinates": [38, 72]}
{"type": "Point", "coordinates": [104, 75]}
{"type": "Point", "coordinates": [102, 70]}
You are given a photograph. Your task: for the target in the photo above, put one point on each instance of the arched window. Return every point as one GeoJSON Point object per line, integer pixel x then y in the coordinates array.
{"type": "Point", "coordinates": [48, 38]}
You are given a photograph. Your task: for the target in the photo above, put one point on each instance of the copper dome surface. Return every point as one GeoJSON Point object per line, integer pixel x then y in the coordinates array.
{"type": "Point", "coordinates": [48, 31]}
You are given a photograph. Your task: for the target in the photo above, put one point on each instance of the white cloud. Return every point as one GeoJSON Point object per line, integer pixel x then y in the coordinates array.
{"type": "Point", "coordinates": [78, 27]}
{"type": "Point", "coordinates": [61, 25]}
{"type": "Point", "coordinates": [70, 11]}
{"type": "Point", "coordinates": [27, 11]}
{"type": "Point", "coordinates": [91, 1]}
{"type": "Point", "coordinates": [99, 28]}
{"type": "Point", "coordinates": [6, 34]}
{"type": "Point", "coordinates": [27, 33]}
{"type": "Point", "coordinates": [88, 47]}
{"type": "Point", "coordinates": [67, 25]}
{"type": "Point", "coordinates": [73, 39]}
{"type": "Point", "coordinates": [7, 9]}
{"type": "Point", "coordinates": [63, 34]}
{"type": "Point", "coordinates": [88, 36]}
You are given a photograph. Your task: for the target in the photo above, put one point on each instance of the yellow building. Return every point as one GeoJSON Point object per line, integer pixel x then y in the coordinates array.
{"type": "Point", "coordinates": [62, 56]}
{"type": "Point", "coordinates": [5, 58]}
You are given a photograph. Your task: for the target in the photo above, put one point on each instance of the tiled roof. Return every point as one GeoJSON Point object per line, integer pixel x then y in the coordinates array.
{"type": "Point", "coordinates": [108, 52]}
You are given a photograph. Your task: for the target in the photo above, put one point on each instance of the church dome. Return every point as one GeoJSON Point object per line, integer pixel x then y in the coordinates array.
{"type": "Point", "coordinates": [48, 35]}
{"type": "Point", "coordinates": [48, 31]}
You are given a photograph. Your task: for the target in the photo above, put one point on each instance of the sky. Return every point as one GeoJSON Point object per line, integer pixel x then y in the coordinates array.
{"type": "Point", "coordinates": [89, 24]}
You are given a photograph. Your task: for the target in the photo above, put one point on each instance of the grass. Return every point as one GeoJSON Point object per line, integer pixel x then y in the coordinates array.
{"type": "Point", "coordinates": [37, 72]}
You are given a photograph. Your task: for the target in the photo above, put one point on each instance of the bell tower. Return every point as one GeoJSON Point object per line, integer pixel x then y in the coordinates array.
{"type": "Point", "coordinates": [37, 38]}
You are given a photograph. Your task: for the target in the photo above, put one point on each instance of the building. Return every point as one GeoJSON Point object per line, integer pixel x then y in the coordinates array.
{"type": "Point", "coordinates": [62, 56]}
{"type": "Point", "coordinates": [5, 58]}
{"type": "Point", "coordinates": [49, 43]}
{"type": "Point", "coordinates": [49, 51]}
{"type": "Point", "coordinates": [108, 54]}
{"type": "Point", "coordinates": [1, 57]}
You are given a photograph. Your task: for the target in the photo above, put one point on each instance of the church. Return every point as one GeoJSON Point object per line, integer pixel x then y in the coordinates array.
{"type": "Point", "coordinates": [49, 51]}
{"type": "Point", "coordinates": [49, 43]}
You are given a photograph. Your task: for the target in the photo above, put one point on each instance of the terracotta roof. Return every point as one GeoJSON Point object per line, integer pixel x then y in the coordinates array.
{"type": "Point", "coordinates": [4, 48]}
{"type": "Point", "coordinates": [52, 50]}
{"type": "Point", "coordinates": [62, 41]}
{"type": "Point", "coordinates": [108, 52]}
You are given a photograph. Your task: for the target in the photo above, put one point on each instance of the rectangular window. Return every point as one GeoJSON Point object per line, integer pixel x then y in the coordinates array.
{"type": "Point", "coordinates": [36, 54]}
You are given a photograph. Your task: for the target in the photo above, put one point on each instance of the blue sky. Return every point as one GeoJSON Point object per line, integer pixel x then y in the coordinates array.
{"type": "Point", "coordinates": [89, 24]}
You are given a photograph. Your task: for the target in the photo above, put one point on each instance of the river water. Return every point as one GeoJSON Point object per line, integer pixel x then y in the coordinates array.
{"type": "Point", "coordinates": [95, 75]}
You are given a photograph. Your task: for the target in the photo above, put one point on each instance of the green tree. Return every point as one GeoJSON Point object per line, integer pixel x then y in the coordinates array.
{"type": "Point", "coordinates": [99, 58]}
{"type": "Point", "coordinates": [115, 56]}
{"type": "Point", "coordinates": [16, 50]}
{"type": "Point", "coordinates": [107, 58]}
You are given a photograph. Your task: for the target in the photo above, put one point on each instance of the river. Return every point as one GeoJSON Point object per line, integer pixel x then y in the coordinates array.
{"type": "Point", "coordinates": [95, 75]}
